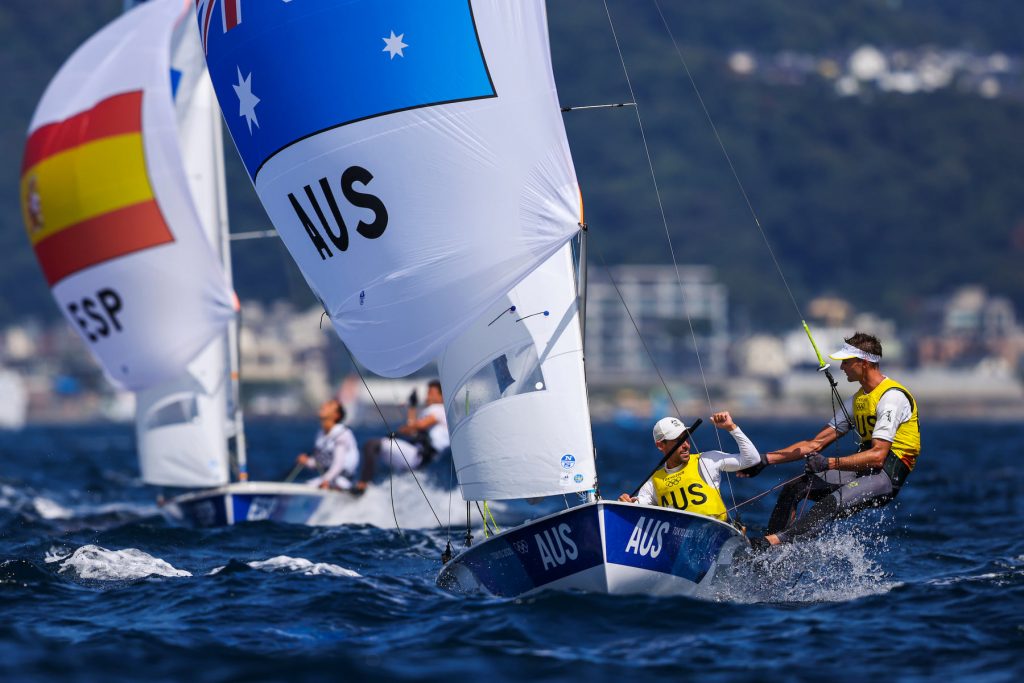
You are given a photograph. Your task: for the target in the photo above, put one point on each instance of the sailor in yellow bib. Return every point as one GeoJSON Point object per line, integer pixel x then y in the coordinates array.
{"type": "Point", "coordinates": [690, 481]}
{"type": "Point", "coordinates": [884, 414]}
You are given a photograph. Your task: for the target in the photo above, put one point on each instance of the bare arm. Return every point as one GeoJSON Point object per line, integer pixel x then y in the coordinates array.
{"type": "Point", "coordinates": [801, 448]}
{"type": "Point", "coordinates": [872, 458]}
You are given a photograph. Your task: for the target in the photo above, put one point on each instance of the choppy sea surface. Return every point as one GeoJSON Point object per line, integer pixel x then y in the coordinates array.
{"type": "Point", "coordinates": [96, 585]}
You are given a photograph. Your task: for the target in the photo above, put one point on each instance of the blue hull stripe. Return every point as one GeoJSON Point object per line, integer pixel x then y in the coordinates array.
{"type": "Point", "coordinates": [642, 537]}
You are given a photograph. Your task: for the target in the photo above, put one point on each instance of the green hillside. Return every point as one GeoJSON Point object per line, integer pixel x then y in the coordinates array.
{"type": "Point", "coordinates": [885, 198]}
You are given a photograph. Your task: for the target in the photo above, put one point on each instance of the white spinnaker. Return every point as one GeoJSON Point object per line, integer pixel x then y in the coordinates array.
{"type": "Point", "coordinates": [174, 298]}
{"type": "Point", "coordinates": [182, 425]}
{"type": "Point", "coordinates": [515, 393]}
{"type": "Point", "coordinates": [477, 192]}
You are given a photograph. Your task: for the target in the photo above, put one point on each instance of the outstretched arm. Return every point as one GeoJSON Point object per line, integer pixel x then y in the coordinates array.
{"type": "Point", "coordinates": [799, 449]}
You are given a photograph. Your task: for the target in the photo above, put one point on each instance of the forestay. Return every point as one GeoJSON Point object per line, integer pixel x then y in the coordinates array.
{"type": "Point", "coordinates": [107, 208]}
{"type": "Point", "coordinates": [516, 393]}
{"type": "Point", "coordinates": [410, 154]}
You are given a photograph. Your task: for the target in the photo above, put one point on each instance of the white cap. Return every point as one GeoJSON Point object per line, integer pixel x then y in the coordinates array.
{"type": "Point", "coordinates": [848, 351]}
{"type": "Point", "coordinates": [668, 428]}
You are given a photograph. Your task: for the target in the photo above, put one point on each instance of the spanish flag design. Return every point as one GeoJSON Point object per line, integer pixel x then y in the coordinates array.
{"type": "Point", "coordinates": [86, 196]}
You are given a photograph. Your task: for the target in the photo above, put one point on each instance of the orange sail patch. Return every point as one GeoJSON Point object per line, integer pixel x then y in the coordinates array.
{"type": "Point", "coordinates": [85, 194]}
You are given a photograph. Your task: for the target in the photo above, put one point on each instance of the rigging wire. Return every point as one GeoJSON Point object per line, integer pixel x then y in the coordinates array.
{"type": "Point", "coordinates": [451, 494]}
{"type": "Point", "coordinates": [668, 236]}
{"type": "Point", "coordinates": [639, 334]}
{"type": "Point", "coordinates": [661, 209]}
{"type": "Point", "coordinates": [387, 426]}
{"type": "Point", "coordinates": [835, 396]}
{"type": "Point", "coordinates": [728, 159]}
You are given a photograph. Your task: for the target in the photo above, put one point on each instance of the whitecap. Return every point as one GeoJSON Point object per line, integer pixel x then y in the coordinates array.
{"type": "Point", "coordinates": [834, 567]}
{"type": "Point", "coordinates": [51, 509]}
{"type": "Point", "coordinates": [55, 554]}
{"type": "Point", "coordinates": [298, 565]}
{"type": "Point", "coordinates": [95, 563]}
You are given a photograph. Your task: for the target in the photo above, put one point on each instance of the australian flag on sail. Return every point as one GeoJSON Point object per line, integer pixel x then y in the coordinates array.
{"type": "Point", "coordinates": [285, 71]}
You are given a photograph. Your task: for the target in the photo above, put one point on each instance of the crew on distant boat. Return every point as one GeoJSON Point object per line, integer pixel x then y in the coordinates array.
{"type": "Point", "coordinates": [335, 451]}
{"type": "Point", "coordinates": [885, 416]}
{"type": "Point", "coordinates": [426, 433]}
{"type": "Point", "coordinates": [690, 481]}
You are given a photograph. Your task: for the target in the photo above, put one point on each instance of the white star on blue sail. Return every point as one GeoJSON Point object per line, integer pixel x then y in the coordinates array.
{"type": "Point", "coordinates": [246, 100]}
{"type": "Point", "coordinates": [394, 45]}
{"type": "Point", "coordinates": [290, 51]}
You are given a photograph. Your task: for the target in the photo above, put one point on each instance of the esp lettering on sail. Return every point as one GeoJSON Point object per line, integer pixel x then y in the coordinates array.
{"type": "Point", "coordinates": [107, 207]}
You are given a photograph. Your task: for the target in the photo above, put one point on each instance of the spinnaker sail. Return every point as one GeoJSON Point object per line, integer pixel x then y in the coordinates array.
{"type": "Point", "coordinates": [106, 203]}
{"type": "Point", "coordinates": [411, 155]}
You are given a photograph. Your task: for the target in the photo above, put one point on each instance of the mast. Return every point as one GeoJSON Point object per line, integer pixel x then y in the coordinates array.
{"type": "Point", "coordinates": [582, 286]}
{"type": "Point", "coordinates": [224, 247]}
{"type": "Point", "coordinates": [581, 293]}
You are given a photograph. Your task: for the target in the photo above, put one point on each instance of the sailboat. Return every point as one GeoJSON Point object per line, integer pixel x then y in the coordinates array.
{"type": "Point", "coordinates": [413, 159]}
{"type": "Point", "coordinates": [123, 198]}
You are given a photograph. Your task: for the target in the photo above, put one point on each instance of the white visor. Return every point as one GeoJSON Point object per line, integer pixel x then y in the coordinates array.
{"type": "Point", "coordinates": [849, 351]}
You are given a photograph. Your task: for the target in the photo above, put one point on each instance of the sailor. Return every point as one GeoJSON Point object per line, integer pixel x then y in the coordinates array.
{"type": "Point", "coordinates": [884, 414]}
{"type": "Point", "coordinates": [690, 481]}
{"type": "Point", "coordinates": [335, 451]}
{"type": "Point", "coordinates": [426, 436]}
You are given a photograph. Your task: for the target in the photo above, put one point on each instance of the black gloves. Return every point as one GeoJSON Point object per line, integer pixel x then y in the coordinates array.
{"type": "Point", "coordinates": [816, 462]}
{"type": "Point", "coordinates": [755, 470]}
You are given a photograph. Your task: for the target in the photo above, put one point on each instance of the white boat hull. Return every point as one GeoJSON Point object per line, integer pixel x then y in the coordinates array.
{"type": "Point", "coordinates": [603, 547]}
{"type": "Point", "coordinates": [253, 501]}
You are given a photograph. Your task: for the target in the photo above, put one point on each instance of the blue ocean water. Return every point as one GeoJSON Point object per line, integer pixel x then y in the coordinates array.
{"type": "Point", "coordinates": [95, 585]}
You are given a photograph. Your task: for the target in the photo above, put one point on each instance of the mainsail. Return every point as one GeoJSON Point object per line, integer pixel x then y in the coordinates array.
{"type": "Point", "coordinates": [106, 202]}
{"type": "Point", "coordinates": [410, 154]}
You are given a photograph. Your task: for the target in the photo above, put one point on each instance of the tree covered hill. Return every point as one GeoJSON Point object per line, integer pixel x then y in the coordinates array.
{"type": "Point", "coordinates": [884, 198]}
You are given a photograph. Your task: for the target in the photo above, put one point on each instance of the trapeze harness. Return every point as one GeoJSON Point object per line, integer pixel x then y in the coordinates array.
{"type": "Point", "coordinates": [688, 490]}
{"type": "Point", "coordinates": [906, 444]}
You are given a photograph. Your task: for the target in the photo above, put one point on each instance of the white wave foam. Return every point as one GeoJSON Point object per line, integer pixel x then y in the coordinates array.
{"type": "Point", "coordinates": [29, 502]}
{"type": "Point", "coordinates": [298, 565]}
{"type": "Point", "coordinates": [55, 554]}
{"type": "Point", "coordinates": [835, 567]}
{"type": "Point", "coordinates": [1013, 565]}
{"type": "Point", "coordinates": [51, 509]}
{"type": "Point", "coordinates": [99, 564]}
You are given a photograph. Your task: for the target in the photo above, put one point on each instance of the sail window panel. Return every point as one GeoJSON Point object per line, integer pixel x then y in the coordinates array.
{"type": "Point", "coordinates": [179, 411]}
{"type": "Point", "coordinates": [511, 373]}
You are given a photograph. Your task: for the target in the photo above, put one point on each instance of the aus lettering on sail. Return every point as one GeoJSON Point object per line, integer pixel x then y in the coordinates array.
{"type": "Point", "coordinates": [414, 163]}
{"type": "Point", "coordinates": [556, 546]}
{"type": "Point", "coordinates": [335, 227]}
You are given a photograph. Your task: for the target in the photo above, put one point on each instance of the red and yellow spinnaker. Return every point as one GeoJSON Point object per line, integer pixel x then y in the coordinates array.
{"type": "Point", "coordinates": [123, 238]}
{"type": "Point", "coordinates": [86, 195]}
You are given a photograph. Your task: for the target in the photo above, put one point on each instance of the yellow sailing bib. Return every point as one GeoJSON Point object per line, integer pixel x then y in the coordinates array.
{"type": "Point", "coordinates": [687, 490]}
{"type": "Point", "coordinates": [906, 444]}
